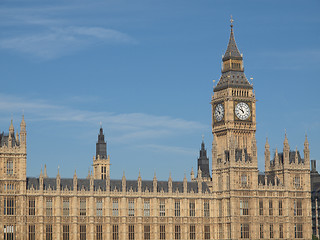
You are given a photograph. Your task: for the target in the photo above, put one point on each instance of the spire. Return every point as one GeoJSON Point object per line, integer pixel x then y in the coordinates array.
{"type": "Point", "coordinates": [267, 146]}
{"type": "Point", "coordinates": [45, 171]}
{"type": "Point", "coordinates": [232, 67]}
{"type": "Point", "coordinates": [306, 142]}
{"type": "Point", "coordinates": [203, 161]}
{"type": "Point", "coordinates": [285, 142]}
{"type": "Point", "coordinates": [11, 128]}
{"type": "Point", "coordinates": [232, 51]}
{"type": "Point", "coordinates": [23, 123]}
{"type": "Point", "coordinates": [101, 146]}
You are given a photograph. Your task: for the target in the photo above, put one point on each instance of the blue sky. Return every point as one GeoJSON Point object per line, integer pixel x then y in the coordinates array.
{"type": "Point", "coordinates": [144, 69]}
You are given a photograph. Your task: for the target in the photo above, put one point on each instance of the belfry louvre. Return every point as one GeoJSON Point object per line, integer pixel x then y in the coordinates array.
{"type": "Point", "coordinates": [233, 201]}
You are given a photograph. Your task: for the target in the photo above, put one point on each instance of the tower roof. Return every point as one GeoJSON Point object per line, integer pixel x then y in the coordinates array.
{"type": "Point", "coordinates": [232, 51]}
{"type": "Point", "coordinates": [101, 146]}
{"type": "Point", "coordinates": [232, 71]}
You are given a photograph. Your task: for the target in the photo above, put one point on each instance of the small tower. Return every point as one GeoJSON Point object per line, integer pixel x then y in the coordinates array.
{"type": "Point", "coordinates": [101, 162]}
{"type": "Point", "coordinates": [203, 163]}
{"type": "Point", "coordinates": [14, 156]}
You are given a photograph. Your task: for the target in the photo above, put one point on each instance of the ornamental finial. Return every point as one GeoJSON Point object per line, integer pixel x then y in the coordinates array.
{"type": "Point", "coordinates": [231, 21]}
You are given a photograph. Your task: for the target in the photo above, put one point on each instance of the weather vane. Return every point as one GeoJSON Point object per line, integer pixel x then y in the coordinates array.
{"type": "Point", "coordinates": [231, 21]}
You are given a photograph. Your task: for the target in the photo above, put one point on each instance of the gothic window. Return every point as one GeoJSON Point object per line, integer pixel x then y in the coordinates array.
{"type": "Point", "coordinates": [32, 207]}
{"type": "Point", "coordinates": [49, 206]}
{"type": "Point", "coordinates": [206, 209]}
{"type": "Point", "coordinates": [99, 232]}
{"type": "Point", "coordinates": [297, 207]}
{"type": "Point", "coordinates": [65, 207]}
{"type": "Point", "coordinates": [229, 230]}
{"type": "Point", "coordinates": [9, 167]}
{"type": "Point", "coordinates": [83, 232]}
{"type": "Point", "coordinates": [177, 232]}
{"type": "Point", "coordinates": [8, 232]}
{"type": "Point", "coordinates": [271, 230]}
{"type": "Point", "coordinates": [9, 206]}
{"type": "Point", "coordinates": [115, 208]}
{"type": "Point", "coordinates": [220, 183]}
{"type": "Point", "coordinates": [228, 182]}
{"type": "Point", "coordinates": [115, 232]}
{"type": "Point", "coordinates": [261, 231]}
{"type": "Point", "coordinates": [32, 232]}
{"type": "Point", "coordinates": [65, 232]}
{"type": "Point", "coordinates": [244, 207]}
{"type": "Point", "coordinates": [220, 231]}
{"type": "Point", "coordinates": [261, 207]}
{"type": "Point", "coordinates": [206, 232]}
{"type": "Point", "coordinates": [280, 230]}
{"type": "Point", "coordinates": [83, 207]}
{"type": "Point", "coordinates": [244, 180]}
{"type": "Point", "coordinates": [177, 208]}
{"type": "Point", "coordinates": [146, 207]}
{"type": "Point", "coordinates": [220, 208]}
{"type": "Point", "coordinates": [162, 208]}
{"type": "Point", "coordinates": [99, 207]}
{"type": "Point", "coordinates": [228, 207]}
{"type": "Point", "coordinates": [146, 232]}
{"type": "Point", "coordinates": [298, 230]}
{"type": "Point", "coordinates": [103, 172]}
{"type": "Point", "coordinates": [297, 181]}
{"type": "Point", "coordinates": [131, 207]}
{"type": "Point", "coordinates": [162, 232]}
{"type": "Point", "coordinates": [280, 207]}
{"type": "Point", "coordinates": [192, 231]}
{"type": "Point", "coordinates": [270, 208]}
{"type": "Point", "coordinates": [48, 232]}
{"type": "Point", "coordinates": [192, 208]}
{"type": "Point", "coordinates": [244, 230]}
{"type": "Point", "coordinates": [131, 232]}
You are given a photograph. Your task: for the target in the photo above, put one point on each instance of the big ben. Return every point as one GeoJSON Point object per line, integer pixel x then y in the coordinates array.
{"type": "Point", "coordinates": [233, 106]}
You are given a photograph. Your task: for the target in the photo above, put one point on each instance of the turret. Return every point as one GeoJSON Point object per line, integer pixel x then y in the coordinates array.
{"type": "Point", "coordinates": [41, 181]}
{"type": "Point", "coordinates": [155, 183]}
{"type": "Point", "coordinates": [124, 183]}
{"type": "Point", "coordinates": [101, 146]}
{"type": "Point", "coordinates": [286, 150]}
{"type": "Point", "coordinates": [203, 162]}
{"type": "Point", "coordinates": [91, 182]}
{"type": "Point", "coordinates": [170, 184]}
{"type": "Point", "coordinates": [267, 155]}
{"type": "Point", "coordinates": [139, 183]}
{"type": "Point", "coordinates": [192, 175]}
{"type": "Point", "coordinates": [75, 181]}
{"type": "Point", "coordinates": [185, 184]}
{"type": "Point", "coordinates": [23, 133]}
{"type": "Point", "coordinates": [306, 152]}
{"type": "Point", "coordinates": [58, 181]}
{"type": "Point", "coordinates": [11, 135]}
{"type": "Point", "coordinates": [101, 162]}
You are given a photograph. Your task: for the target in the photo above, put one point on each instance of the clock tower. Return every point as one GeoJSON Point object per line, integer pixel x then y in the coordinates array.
{"type": "Point", "coordinates": [233, 122]}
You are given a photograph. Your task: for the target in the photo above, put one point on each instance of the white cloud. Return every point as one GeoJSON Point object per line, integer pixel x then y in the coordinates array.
{"type": "Point", "coordinates": [59, 41]}
{"type": "Point", "coordinates": [128, 127]}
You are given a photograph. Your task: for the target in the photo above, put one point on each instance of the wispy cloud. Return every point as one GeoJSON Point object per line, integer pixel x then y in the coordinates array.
{"type": "Point", "coordinates": [129, 127]}
{"type": "Point", "coordinates": [56, 42]}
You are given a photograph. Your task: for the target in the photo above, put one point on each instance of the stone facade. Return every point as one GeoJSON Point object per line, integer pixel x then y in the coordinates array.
{"type": "Point", "coordinates": [315, 199]}
{"type": "Point", "coordinates": [235, 202]}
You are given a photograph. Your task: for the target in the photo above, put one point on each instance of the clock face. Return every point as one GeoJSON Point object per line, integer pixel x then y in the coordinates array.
{"type": "Point", "coordinates": [242, 111]}
{"type": "Point", "coordinates": [219, 112]}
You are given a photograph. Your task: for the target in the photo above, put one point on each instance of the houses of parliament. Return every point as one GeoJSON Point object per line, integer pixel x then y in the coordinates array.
{"type": "Point", "coordinates": [232, 201]}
